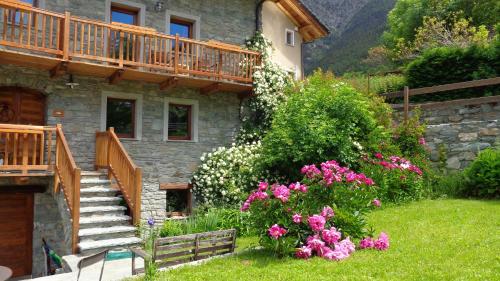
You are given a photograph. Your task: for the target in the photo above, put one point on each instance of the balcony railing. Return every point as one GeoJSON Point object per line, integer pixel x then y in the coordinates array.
{"type": "Point", "coordinates": [71, 38]}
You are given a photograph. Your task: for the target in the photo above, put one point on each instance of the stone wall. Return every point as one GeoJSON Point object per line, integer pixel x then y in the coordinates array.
{"type": "Point", "coordinates": [162, 161]}
{"type": "Point", "coordinates": [223, 20]}
{"type": "Point", "coordinates": [459, 132]}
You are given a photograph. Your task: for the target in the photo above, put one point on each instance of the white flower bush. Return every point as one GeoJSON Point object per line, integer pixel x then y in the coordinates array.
{"type": "Point", "coordinates": [225, 175]}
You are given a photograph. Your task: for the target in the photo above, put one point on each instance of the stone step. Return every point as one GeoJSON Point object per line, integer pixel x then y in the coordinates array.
{"type": "Point", "coordinates": [102, 210]}
{"type": "Point", "coordinates": [93, 246]}
{"type": "Point", "coordinates": [94, 181]}
{"type": "Point", "coordinates": [104, 221]}
{"type": "Point", "coordinates": [100, 233]}
{"type": "Point", "coordinates": [97, 191]}
{"type": "Point", "coordinates": [100, 201]}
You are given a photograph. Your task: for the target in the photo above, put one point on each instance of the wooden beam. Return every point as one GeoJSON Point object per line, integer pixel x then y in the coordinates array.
{"type": "Point", "coordinates": [59, 70]}
{"type": "Point", "coordinates": [116, 77]}
{"type": "Point", "coordinates": [169, 83]}
{"type": "Point", "coordinates": [245, 94]}
{"type": "Point", "coordinates": [210, 89]}
{"type": "Point", "coordinates": [175, 186]}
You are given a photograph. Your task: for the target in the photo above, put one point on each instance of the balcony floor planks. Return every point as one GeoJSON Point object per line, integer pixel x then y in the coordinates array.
{"type": "Point", "coordinates": [105, 70]}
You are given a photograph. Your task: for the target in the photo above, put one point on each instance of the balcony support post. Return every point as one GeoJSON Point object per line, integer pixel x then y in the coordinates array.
{"type": "Point", "coordinates": [65, 35]}
{"type": "Point", "coordinates": [176, 56]}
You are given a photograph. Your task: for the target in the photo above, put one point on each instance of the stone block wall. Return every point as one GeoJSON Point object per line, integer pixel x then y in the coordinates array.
{"type": "Point", "coordinates": [459, 133]}
{"type": "Point", "coordinates": [161, 161]}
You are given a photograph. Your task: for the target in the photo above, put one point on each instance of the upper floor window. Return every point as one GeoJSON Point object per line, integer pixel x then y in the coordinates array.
{"type": "Point", "coordinates": [123, 14]}
{"type": "Point", "coordinates": [290, 37]}
{"type": "Point", "coordinates": [15, 17]}
{"type": "Point", "coordinates": [182, 27]}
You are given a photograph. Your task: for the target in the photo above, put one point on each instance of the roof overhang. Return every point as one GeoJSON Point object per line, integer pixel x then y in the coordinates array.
{"type": "Point", "coordinates": [309, 26]}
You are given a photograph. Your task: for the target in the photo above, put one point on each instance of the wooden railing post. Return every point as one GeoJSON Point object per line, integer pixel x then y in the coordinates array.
{"type": "Point", "coordinates": [137, 196]}
{"type": "Point", "coordinates": [108, 156]}
{"type": "Point", "coordinates": [406, 103]}
{"type": "Point", "coordinates": [76, 208]}
{"type": "Point", "coordinates": [120, 62]}
{"type": "Point", "coordinates": [176, 55]}
{"type": "Point", "coordinates": [65, 35]}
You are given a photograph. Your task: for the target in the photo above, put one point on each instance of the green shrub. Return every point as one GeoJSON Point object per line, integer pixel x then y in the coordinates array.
{"type": "Point", "coordinates": [446, 65]}
{"type": "Point", "coordinates": [325, 120]}
{"type": "Point", "coordinates": [378, 83]}
{"type": "Point", "coordinates": [449, 185]}
{"type": "Point", "coordinates": [209, 220]}
{"type": "Point", "coordinates": [483, 175]}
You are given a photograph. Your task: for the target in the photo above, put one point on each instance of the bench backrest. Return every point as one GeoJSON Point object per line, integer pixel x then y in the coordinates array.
{"type": "Point", "coordinates": [176, 250]}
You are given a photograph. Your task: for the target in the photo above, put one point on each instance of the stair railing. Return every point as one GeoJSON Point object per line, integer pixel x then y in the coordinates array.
{"type": "Point", "coordinates": [111, 154]}
{"type": "Point", "coordinates": [67, 176]}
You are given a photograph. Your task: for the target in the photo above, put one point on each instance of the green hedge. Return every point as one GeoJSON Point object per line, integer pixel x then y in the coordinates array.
{"type": "Point", "coordinates": [452, 64]}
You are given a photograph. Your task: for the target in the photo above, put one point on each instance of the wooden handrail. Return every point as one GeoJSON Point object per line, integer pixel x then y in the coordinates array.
{"type": "Point", "coordinates": [111, 154]}
{"type": "Point", "coordinates": [68, 177]}
{"type": "Point", "coordinates": [73, 38]}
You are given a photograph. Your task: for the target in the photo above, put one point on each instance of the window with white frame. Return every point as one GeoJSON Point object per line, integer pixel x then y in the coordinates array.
{"type": "Point", "coordinates": [123, 112]}
{"type": "Point", "coordinates": [290, 37]}
{"type": "Point", "coordinates": [180, 120]}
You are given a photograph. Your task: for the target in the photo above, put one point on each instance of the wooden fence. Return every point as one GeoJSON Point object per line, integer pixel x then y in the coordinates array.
{"type": "Point", "coordinates": [407, 93]}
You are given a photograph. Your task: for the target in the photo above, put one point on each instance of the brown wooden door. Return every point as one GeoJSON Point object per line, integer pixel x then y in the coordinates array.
{"type": "Point", "coordinates": [21, 106]}
{"type": "Point", "coordinates": [16, 232]}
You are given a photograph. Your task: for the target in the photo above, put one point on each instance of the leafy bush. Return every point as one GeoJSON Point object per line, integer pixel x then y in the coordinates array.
{"type": "Point", "coordinates": [210, 220]}
{"type": "Point", "coordinates": [330, 203]}
{"type": "Point", "coordinates": [452, 64]}
{"type": "Point", "coordinates": [483, 175]}
{"type": "Point", "coordinates": [397, 178]}
{"type": "Point", "coordinates": [225, 175]}
{"type": "Point", "coordinates": [378, 83]}
{"type": "Point", "coordinates": [325, 120]}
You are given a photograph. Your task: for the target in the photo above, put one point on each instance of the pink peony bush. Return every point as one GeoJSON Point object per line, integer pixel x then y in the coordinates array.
{"type": "Point", "coordinates": [315, 217]}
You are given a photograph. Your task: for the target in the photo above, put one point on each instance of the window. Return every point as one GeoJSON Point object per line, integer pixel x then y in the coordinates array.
{"type": "Point", "coordinates": [290, 37]}
{"type": "Point", "coordinates": [123, 14]}
{"type": "Point", "coordinates": [181, 120]}
{"type": "Point", "coordinates": [182, 27]}
{"type": "Point", "coordinates": [120, 114]}
{"type": "Point", "coordinates": [15, 17]}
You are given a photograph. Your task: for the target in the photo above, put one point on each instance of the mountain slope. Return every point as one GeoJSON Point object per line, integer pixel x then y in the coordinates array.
{"type": "Point", "coordinates": [356, 27]}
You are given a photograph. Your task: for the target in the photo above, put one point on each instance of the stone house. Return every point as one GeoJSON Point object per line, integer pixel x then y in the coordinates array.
{"type": "Point", "coordinates": [168, 76]}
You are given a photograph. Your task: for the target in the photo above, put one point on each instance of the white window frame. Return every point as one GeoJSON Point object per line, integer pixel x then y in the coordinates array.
{"type": "Point", "coordinates": [194, 117]}
{"type": "Point", "coordinates": [138, 110]}
{"type": "Point", "coordinates": [287, 31]}
{"type": "Point", "coordinates": [196, 20]}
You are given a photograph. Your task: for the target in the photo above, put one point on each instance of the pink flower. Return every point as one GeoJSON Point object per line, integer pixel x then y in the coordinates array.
{"type": "Point", "coordinates": [263, 186]}
{"type": "Point", "coordinates": [382, 243]}
{"type": "Point", "coordinates": [350, 177]}
{"type": "Point", "coordinates": [346, 245]}
{"type": "Point", "coordinates": [281, 192]}
{"type": "Point", "coordinates": [298, 187]}
{"type": "Point", "coordinates": [315, 243]}
{"type": "Point", "coordinates": [304, 252]}
{"type": "Point", "coordinates": [331, 236]}
{"type": "Point", "coordinates": [376, 202]}
{"type": "Point", "coordinates": [258, 195]}
{"type": "Point", "coordinates": [421, 141]}
{"type": "Point", "coordinates": [276, 231]}
{"type": "Point", "coordinates": [310, 171]}
{"type": "Point", "coordinates": [379, 155]}
{"type": "Point", "coordinates": [366, 243]}
{"type": "Point", "coordinates": [323, 251]}
{"type": "Point", "coordinates": [336, 254]}
{"type": "Point", "coordinates": [327, 212]}
{"type": "Point", "coordinates": [369, 181]}
{"type": "Point", "coordinates": [316, 222]}
{"type": "Point", "coordinates": [297, 218]}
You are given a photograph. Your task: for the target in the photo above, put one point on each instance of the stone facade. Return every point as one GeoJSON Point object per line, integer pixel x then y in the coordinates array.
{"type": "Point", "coordinates": [222, 20]}
{"type": "Point", "coordinates": [456, 134]}
{"type": "Point", "coordinates": [162, 161]}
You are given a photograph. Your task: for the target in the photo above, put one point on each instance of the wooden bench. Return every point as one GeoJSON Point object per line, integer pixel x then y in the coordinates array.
{"type": "Point", "coordinates": [176, 250]}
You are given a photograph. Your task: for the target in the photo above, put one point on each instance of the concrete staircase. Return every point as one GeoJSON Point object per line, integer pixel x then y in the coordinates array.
{"type": "Point", "coordinates": [103, 220]}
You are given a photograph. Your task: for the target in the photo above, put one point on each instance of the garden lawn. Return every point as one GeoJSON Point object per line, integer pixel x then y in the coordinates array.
{"type": "Point", "coordinates": [430, 240]}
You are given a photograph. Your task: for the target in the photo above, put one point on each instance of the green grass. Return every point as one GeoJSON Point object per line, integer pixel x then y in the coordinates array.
{"type": "Point", "coordinates": [430, 240]}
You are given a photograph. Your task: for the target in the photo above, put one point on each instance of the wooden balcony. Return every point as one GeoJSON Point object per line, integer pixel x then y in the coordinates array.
{"type": "Point", "coordinates": [63, 43]}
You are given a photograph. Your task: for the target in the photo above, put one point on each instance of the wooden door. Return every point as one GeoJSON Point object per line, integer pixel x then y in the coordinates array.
{"type": "Point", "coordinates": [21, 106]}
{"type": "Point", "coordinates": [16, 232]}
